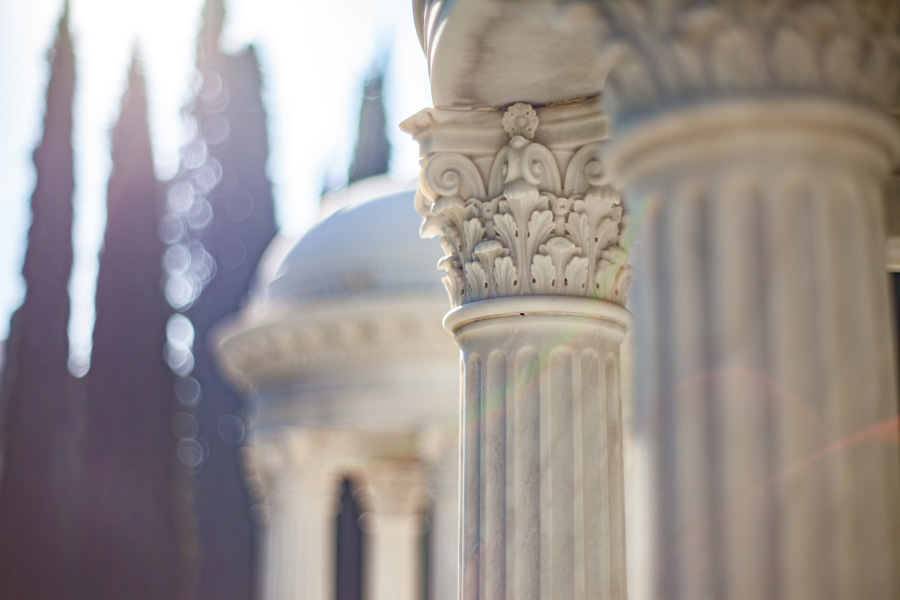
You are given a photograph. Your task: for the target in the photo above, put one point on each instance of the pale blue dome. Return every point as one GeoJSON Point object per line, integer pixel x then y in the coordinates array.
{"type": "Point", "coordinates": [369, 248]}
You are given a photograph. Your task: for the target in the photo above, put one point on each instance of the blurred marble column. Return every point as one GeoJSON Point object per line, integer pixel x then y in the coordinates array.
{"type": "Point", "coordinates": [299, 535]}
{"type": "Point", "coordinates": [440, 450]}
{"type": "Point", "coordinates": [753, 145]}
{"type": "Point", "coordinates": [537, 276]}
{"type": "Point", "coordinates": [892, 210]}
{"type": "Point", "coordinates": [394, 495]}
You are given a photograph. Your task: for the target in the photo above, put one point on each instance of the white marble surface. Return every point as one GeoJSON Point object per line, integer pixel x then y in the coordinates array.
{"type": "Point", "coordinates": [493, 53]}
{"type": "Point", "coordinates": [754, 155]}
{"type": "Point", "coordinates": [542, 467]}
{"type": "Point", "coordinates": [349, 372]}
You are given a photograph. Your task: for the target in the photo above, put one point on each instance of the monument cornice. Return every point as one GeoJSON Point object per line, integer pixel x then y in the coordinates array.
{"type": "Point", "coordinates": [282, 343]}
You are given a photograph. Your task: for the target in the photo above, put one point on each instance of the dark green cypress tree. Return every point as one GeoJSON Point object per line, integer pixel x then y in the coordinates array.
{"type": "Point", "coordinates": [136, 534]}
{"type": "Point", "coordinates": [232, 187]}
{"type": "Point", "coordinates": [373, 150]}
{"type": "Point", "coordinates": [35, 523]}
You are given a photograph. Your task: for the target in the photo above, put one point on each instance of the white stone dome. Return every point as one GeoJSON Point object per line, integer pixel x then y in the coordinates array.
{"type": "Point", "coordinates": [347, 332]}
{"type": "Point", "coordinates": [369, 248]}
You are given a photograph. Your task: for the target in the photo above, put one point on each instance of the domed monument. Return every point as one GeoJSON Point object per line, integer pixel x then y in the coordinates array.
{"type": "Point", "coordinates": [353, 382]}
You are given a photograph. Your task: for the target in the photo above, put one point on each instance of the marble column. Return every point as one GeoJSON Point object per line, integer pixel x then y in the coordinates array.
{"type": "Point", "coordinates": [537, 276]}
{"type": "Point", "coordinates": [299, 534]}
{"type": "Point", "coordinates": [440, 450]}
{"type": "Point", "coordinates": [753, 146]}
{"type": "Point", "coordinates": [394, 494]}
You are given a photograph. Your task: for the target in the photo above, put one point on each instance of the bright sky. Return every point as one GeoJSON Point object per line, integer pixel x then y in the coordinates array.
{"type": "Point", "coordinates": [314, 55]}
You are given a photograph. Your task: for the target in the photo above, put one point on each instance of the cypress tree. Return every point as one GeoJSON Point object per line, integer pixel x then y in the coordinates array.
{"type": "Point", "coordinates": [231, 186]}
{"type": "Point", "coordinates": [35, 524]}
{"type": "Point", "coordinates": [136, 543]}
{"type": "Point", "coordinates": [372, 155]}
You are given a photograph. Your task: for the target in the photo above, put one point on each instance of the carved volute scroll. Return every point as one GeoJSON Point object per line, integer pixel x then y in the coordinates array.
{"type": "Point", "coordinates": [530, 227]}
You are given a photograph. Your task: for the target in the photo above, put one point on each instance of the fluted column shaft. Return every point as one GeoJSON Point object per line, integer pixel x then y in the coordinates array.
{"type": "Point", "coordinates": [537, 275]}
{"type": "Point", "coordinates": [300, 540]}
{"type": "Point", "coordinates": [766, 349]}
{"type": "Point", "coordinates": [394, 494]}
{"type": "Point", "coordinates": [753, 155]}
{"type": "Point", "coordinates": [290, 468]}
{"type": "Point", "coordinates": [542, 502]}
{"type": "Point", "coordinates": [393, 551]}
{"type": "Point", "coordinates": [442, 453]}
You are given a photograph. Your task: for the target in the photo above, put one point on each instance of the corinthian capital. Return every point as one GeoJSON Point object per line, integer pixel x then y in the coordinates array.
{"type": "Point", "coordinates": [394, 486]}
{"type": "Point", "coordinates": [292, 461]}
{"type": "Point", "coordinates": [521, 202]}
{"type": "Point", "coordinates": [677, 51]}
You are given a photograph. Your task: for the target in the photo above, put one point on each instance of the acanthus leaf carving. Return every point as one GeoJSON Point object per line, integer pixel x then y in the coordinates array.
{"type": "Point", "coordinates": [534, 227]}
{"type": "Point", "coordinates": [576, 275]}
{"type": "Point", "coordinates": [542, 280]}
{"type": "Point", "coordinates": [540, 228]}
{"type": "Point", "coordinates": [508, 233]}
{"type": "Point", "coordinates": [473, 233]}
{"type": "Point", "coordinates": [454, 280]}
{"type": "Point", "coordinates": [487, 252]}
{"type": "Point", "coordinates": [561, 251]}
{"type": "Point", "coordinates": [506, 276]}
{"type": "Point", "coordinates": [477, 281]}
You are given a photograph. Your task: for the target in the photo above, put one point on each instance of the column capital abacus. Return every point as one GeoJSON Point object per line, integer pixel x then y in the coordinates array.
{"type": "Point", "coordinates": [521, 202]}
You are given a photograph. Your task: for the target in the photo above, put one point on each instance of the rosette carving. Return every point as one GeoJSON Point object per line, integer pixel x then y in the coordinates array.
{"type": "Point", "coordinates": [532, 229]}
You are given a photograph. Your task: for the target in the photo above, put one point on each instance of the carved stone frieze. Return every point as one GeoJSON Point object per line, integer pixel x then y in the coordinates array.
{"type": "Point", "coordinates": [276, 345]}
{"type": "Point", "coordinates": [675, 51]}
{"type": "Point", "coordinates": [540, 221]}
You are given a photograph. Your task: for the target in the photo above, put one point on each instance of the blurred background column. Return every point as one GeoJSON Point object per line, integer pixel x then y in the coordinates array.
{"type": "Point", "coordinates": [753, 147]}
{"type": "Point", "coordinates": [302, 502]}
{"type": "Point", "coordinates": [441, 453]}
{"type": "Point", "coordinates": [537, 276]}
{"type": "Point", "coordinates": [394, 495]}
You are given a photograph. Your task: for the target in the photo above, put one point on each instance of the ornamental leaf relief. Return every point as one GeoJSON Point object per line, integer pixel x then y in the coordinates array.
{"type": "Point", "coordinates": [527, 228]}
